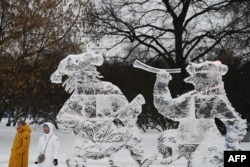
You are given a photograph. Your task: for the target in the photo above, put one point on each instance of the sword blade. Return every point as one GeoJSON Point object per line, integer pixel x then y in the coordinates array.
{"type": "Point", "coordinates": [143, 66]}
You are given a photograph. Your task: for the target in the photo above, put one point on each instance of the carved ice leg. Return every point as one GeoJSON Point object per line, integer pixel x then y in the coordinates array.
{"type": "Point", "coordinates": [112, 162]}
{"type": "Point", "coordinates": [74, 161]}
{"type": "Point", "coordinates": [137, 153]}
{"type": "Point", "coordinates": [148, 161]}
{"type": "Point", "coordinates": [135, 147]}
{"type": "Point", "coordinates": [168, 147]}
{"type": "Point", "coordinates": [76, 157]}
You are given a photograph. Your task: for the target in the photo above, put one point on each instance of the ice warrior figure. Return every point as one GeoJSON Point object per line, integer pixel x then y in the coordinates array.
{"type": "Point", "coordinates": [197, 137]}
{"type": "Point", "coordinates": [97, 112]}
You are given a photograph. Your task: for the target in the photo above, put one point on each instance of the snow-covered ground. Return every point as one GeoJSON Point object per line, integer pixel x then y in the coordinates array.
{"type": "Point", "coordinates": [123, 157]}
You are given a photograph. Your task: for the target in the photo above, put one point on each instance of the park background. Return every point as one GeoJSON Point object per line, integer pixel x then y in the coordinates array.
{"type": "Point", "coordinates": [36, 35]}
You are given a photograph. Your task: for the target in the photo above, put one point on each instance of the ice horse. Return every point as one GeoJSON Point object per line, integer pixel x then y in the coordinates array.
{"type": "Point", "coordinates": [198, 137]}
{"type": "Point", "coordinates": [97, 112]}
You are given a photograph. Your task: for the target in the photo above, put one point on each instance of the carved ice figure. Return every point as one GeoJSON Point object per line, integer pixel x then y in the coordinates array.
{"type": "Point", "coordinates": [97, 112]}
{"type": "Point", "coordinates": [211, 149]}
{"type": "Point", "coordinates": [195, 111]}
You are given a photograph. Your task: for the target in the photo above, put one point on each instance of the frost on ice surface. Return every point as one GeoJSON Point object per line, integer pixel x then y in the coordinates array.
{"type": "Point", "coordinates": [197, 137]}
{"type": "Point", "coordinates": [97, 112]}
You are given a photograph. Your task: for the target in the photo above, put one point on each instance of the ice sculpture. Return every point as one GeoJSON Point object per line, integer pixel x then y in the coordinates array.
{"type": "Point", "coordinates": [97, 112]}
{"type": "Point", "coordinates": [197, 137]}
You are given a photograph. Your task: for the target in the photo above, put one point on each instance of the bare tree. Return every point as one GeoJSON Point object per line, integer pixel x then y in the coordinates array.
{"type": "Point", "coordinates": [175, 31]}
{"type": "Point", "coordinates": [34, 35]}
{"type": "Point", "coordinates": [29, 27]}
{"type": "Point", "coordinates": [238, 44]}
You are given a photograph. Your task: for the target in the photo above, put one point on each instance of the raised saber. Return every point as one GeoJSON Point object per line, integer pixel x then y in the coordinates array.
{"type": "Point", "coordinates": [141, 65]}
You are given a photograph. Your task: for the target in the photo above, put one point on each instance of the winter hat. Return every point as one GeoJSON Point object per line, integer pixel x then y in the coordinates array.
{"type": "Point", "coordinates": [45, 125]}
{"type": "Point", "coordinates": [22, 122]}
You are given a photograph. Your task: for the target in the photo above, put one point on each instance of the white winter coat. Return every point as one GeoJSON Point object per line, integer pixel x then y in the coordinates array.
{"type": "Point", "coordinates": [52, 148]}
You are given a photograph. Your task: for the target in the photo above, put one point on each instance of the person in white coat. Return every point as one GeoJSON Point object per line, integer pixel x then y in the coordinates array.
{"type": "Point", "coordinates": [48, 144]}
